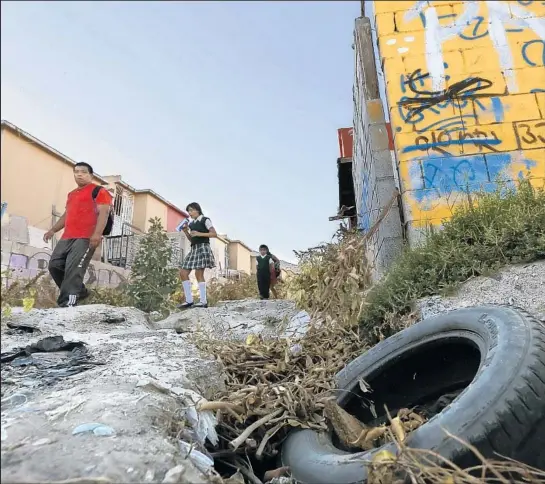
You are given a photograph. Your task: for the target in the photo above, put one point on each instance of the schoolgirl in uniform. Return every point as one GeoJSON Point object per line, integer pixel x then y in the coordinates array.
{"type": "Point", "coordinates": [199, 231]}
{"type": "Point", "coordinates": [266, 273]}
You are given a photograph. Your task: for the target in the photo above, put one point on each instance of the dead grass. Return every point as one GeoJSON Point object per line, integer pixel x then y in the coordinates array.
{"type": "Point", "coordinates": [238, 289]}
{"type": "Point", "coordinates": [289, 378]}
{"type": "Point", "coordinates": [424, 467]}
{"type": "Point", "coordinates": [273, 386]}
{"type": "Point", "coordinates": [40, 292]}
{"type": "Point", "coordinates": [333, 279]}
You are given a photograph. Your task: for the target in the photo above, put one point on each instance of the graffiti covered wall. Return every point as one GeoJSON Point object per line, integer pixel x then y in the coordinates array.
{"type": "Point", "coordinates": [465, 84]}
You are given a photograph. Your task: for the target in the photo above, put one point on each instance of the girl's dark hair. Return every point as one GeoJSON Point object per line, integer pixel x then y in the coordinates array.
{"type": "Point", "coordinates": [195, 206]}
{"type": "Point", "coordinates": [263, 246]}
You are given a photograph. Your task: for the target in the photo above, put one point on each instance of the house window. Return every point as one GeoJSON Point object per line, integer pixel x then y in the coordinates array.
{"type": "Point", "coordinates": [118, 201]}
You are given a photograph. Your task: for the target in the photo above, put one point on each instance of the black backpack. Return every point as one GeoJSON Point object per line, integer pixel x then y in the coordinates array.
{"type": "Point", "coordinates": [110, 222]}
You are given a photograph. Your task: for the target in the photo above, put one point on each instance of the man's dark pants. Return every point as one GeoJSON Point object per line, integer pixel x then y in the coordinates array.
{"type": "Point", "coordinates": [67, 267]}
{"type": "Point", "coordinates": [264, 285]}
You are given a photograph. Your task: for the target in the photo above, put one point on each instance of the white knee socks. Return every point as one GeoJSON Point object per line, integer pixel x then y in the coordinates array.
{"type": "Point", "coordinates": [202, 292]}
{"type": "Point", "coordinates": [187, 291]}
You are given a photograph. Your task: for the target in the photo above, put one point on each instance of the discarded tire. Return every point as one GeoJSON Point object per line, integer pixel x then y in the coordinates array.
{"type": "Point", "coordinates": [494, 355]}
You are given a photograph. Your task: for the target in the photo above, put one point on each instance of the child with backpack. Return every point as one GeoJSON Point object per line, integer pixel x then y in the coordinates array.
{"type": "Point", "coordinates": [266, 272]}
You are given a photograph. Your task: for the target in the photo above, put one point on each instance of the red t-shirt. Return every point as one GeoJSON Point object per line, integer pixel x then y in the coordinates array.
{"type": "Point", "coordinates": [81, 211]}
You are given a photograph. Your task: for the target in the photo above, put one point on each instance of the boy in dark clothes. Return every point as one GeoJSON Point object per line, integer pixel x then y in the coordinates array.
{"type": "Point", "coordinates": [266, 274]}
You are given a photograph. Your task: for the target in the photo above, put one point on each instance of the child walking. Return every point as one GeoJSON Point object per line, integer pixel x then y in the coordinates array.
{"type": "Point", "coordinates": [266, 274]}
{"type": "Point", "coordinates": [277, 272]}
{"type": "Point", "coordinates": [199, 231]}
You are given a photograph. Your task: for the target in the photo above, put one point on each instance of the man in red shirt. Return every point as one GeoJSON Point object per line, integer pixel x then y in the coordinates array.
{"type": "Point", "coordinates": [83, 221]}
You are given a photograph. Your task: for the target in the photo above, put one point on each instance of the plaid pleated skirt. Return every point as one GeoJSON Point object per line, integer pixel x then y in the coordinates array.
{"type": "Point", "coordinates": [200, 257]}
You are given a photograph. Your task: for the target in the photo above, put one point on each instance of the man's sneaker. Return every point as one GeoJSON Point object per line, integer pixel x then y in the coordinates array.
{"type": "Point", "coordinates": [201, 305]}
{"type": "Point", "coordinates": [72, 301]}
{"type": "Point", "coordinates": [185, 305]}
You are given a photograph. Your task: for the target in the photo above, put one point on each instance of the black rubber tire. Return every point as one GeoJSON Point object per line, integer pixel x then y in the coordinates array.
{"type": "Point", "coordinates": [501, 411]}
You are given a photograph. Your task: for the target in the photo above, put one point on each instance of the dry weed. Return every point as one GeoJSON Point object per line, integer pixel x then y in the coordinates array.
{"type": "Point", "coordinates": [291, 380]}
{"type": "Point", "coordinates": [419, 466]}
{"type": "Point", "coordinates": [244, 287]}
{"type": "Point", "coordinates": [333, 279]}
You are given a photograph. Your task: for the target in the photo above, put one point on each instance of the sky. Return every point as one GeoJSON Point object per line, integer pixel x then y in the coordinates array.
{"type": "Point", "coordinates": [234, 105]}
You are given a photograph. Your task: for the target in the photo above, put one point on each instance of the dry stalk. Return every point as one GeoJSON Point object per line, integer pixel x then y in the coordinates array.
{"type": "Point", "coordinates": [236, 443]}
{"type": "Point", "coordinates": [270, 433]}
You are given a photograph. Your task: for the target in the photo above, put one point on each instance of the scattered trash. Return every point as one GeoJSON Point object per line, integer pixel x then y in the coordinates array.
{"type": "Point", "coordinates": [275, 473]}
{"type": "Point", "coordinates": [22, 361]}
{"type": "Point", "coordinates": [42, 442]}
{"type": "Point", "coordinates": [45, 345]}
{"type": "Point", "coordinates": [97, 429]}
{"type": "Point", "coordinates": [298, 325]}
{"type": "Point", "coordinates": [49, 359]}
{"type": "Point", "coordinates": [54, 343]}
{"type": "Point", "coordinates": [114, 319]}
{"type": "Point", "coordinates": [201, 461]}
{"type": "Point", "coordinates": [296, 349]}
{"type": "Point", "coordinates": [14, 400]}
{"type": "Point", "coordinates": [23, 328]}
{"type": "Point", "coordinates": [203, 422]}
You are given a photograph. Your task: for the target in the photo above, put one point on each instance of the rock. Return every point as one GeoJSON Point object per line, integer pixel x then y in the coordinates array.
{"type": "Point", "coordinates": [236, 320]}
{"type": "Point", "coordinates": [521, 285]}
{"type": "Point", "coordinates": [282, 480]}
{"type": "Point", "coordinates": [187, 473]}
{"type": "Point", "coordinates": [117, 382]}
{"type": "Point", "coordinates": [39, 416]}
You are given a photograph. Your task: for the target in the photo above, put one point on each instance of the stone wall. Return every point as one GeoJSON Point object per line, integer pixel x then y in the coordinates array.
{"type": "Point", "coordinates": [465, 83]}
{"type": "Point", "coordinates": [373, 174]}
{"type": "Point", "coordinates": [25, 262]}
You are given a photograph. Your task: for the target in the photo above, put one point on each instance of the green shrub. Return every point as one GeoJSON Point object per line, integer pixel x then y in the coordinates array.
{"type": "Point", "coordinates": [153, 281]}
{"type": "Point", "coordinates": [490, 231]}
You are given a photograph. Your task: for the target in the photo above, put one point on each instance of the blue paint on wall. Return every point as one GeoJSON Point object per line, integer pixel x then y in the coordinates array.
{"type": "Point", "coordinates": [446, 175]}
{"type": "Point", "coordinates": [497, 109]}
{"type": "Point", "coordinates": [499, 163]}
{"type": "Point", "coordinates": [364, 219]}
{"type": "Point", "coordinates": [459, 142]}
{"type": "Point", "coordinates": [534, 60]}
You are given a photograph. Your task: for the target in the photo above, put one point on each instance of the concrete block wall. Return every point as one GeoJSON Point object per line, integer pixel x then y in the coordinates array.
{"type": "Point", "coordinates": [465, 84]}
{"type": "Point", "coordinates": [25, 262]}
{"type": "Point", "coordinates": [372, 167]}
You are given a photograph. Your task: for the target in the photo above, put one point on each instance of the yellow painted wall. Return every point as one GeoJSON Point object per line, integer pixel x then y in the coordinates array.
{"type": "Point", "coordinates": [146, 206]}
{"type": "Point", "coordinates": [33, 180]}
{"type": "Point", "coordinates": [240, 257]}
{"type": "Point", "coordinates": [253, 264]}
{"type": "Point", "coordinates": [219, 248]}
{"type": "Point", "coordinates": [244, 262]}
{"type": "Point", "coordinates": [465, 84]}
